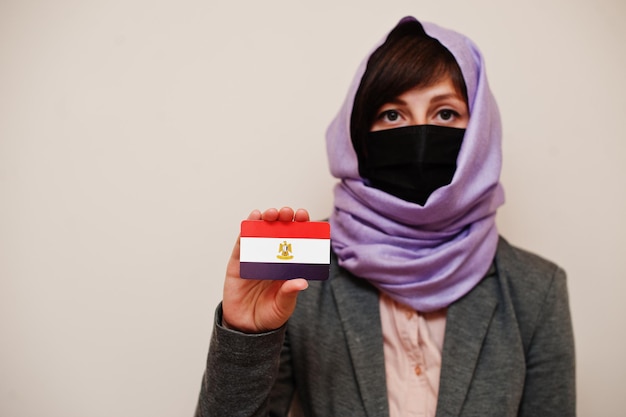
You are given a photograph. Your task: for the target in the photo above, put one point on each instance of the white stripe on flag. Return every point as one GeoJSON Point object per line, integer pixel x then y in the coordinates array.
{"type": "Point", "coordinates": [304, 251]}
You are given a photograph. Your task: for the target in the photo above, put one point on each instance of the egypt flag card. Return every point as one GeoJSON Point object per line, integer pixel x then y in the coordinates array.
{"type": "Point", "coordinates": [284, 250]}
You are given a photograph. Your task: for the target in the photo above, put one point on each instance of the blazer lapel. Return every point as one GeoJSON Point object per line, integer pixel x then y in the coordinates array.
{"type": "Point", "coordinates": [466, 326]}
{"type": "Point", "coordinates": [357, 304]}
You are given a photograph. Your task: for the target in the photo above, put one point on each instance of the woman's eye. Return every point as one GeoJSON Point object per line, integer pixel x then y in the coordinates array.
{"type": "Point", "coordinates": [390, 115]}
{"type": "Point", "coordinates": [447, 114]}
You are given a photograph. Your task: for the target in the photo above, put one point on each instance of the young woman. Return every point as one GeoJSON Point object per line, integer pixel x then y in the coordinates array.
{"type": "Point", "coordinates": [427, 310]}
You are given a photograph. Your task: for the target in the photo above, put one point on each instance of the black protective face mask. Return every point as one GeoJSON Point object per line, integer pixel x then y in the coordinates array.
{"type": "Point", "coordinates": [410, 162]}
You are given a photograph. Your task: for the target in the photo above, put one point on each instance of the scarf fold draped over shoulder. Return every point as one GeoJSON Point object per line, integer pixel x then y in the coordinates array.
{"type": "Point", "coordinates": [426, 257]}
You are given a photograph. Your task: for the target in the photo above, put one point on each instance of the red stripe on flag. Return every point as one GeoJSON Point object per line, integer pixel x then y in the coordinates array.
{"type": "Point", "coordinates": [292, 230]}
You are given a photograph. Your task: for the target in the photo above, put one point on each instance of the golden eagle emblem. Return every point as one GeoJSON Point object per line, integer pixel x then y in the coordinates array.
{"type": "Point", "coordinates": [285, 251]}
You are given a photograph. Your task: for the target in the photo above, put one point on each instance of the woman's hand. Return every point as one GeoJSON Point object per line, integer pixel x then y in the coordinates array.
{"type": "Point", "coordinates": [255, 306]}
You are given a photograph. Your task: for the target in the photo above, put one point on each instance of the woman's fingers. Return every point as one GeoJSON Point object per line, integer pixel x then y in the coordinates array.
{"type": "Point", "coordinates": [301, 215]}
{"type": "Point", "coordinates": [285, 214]}
{"type": "Point", "coordinates": [270, 215]}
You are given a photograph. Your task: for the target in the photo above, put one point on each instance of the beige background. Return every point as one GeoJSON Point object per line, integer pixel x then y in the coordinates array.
{"type": "Point", "coordinates": [135, 134]}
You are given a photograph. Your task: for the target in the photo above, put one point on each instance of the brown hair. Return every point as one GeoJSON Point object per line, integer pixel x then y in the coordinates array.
{"type": "Point", "coordinates": [409, 58]}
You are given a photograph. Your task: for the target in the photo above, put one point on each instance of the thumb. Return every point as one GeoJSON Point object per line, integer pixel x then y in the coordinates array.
{"type": "Point", "coordinates": [288, 295]}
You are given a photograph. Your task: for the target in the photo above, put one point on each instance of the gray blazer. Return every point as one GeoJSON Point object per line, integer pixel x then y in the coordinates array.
{"type": "Point", "coordinates": [508, 351]}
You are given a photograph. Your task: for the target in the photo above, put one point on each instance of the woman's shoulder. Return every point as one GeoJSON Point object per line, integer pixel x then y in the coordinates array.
{"type": "Point", "coordinates": [531, 283]}
{"type": "Point", "coordinates": [522, 263]}
{"type": "Point", "coordinates": [525, 269]}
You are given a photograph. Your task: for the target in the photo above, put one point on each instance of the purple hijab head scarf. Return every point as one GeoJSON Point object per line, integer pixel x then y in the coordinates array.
{"type": "Point", "coordinates": [426, 257]}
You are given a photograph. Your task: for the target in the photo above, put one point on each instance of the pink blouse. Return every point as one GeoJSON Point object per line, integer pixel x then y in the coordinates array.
{"type": "Point", "coordinates": [412, 344]}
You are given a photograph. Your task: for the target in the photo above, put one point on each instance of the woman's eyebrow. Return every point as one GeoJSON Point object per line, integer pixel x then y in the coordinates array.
{"type": "Point", "coordinates": [396, 101]}
{"type": "Point", "coordinates": [447, 96]}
